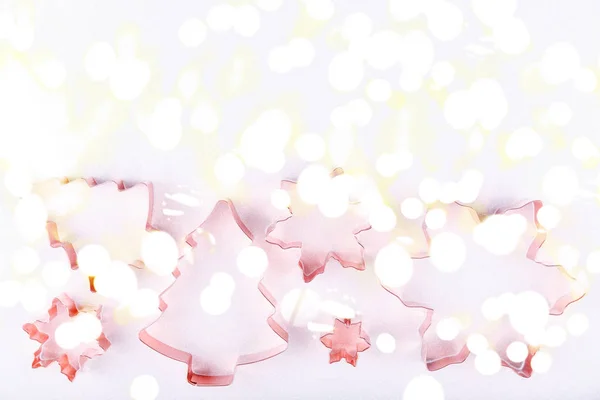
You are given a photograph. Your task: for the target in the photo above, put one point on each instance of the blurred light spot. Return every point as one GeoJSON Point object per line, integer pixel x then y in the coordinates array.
{"type": "Point", "coordinates": [404, 10]}
{"type": "Point", "coordinates": [529, 312]}
{"type": "Point", "coordinates": [429, 190]}
{"type": "Point", "coordinates": [337, 309]}
{"type": "Point", "coordinates": [378, 54]}
{"type": "Point", "coordinates": [22, 33]}
{"type": "Point", "coordinates": [341, 118]}
{"type": "Point", "coordinates": [389, 164]}
{"type": "Point", "coordinates": [593, 262]}
{"type": "Point", "coordinates": [7, 24]}
{"type": "Point", "coordinates": [412, 208]}
{"type": "Point", "coordinates": [279, 59]}
{"type": "Point", "coordinates": [469, 186]}
{"type": "Point", "coordinates": [18, 181]}
{"type": "Point", "coordinates": [492, 12]}
{"type": "Point", "coordinates": [492, 309]}
{"type": "Point", "coordinates": [517, 352]}
{"type": "Point", "coordinates": [584, 150]}
{"type": "Point", "coordinates": [301, 52]}
{"type": "Point", "coordinates": [385, 343]}
{"type": "Point", "coordinates": [379, 90]}
{"type": "Point", "coordinates": [320, 10]}
{"type": "Point", "coordinates": [416, 55]}
{"type": "Point", "coordinates": [263, 142]}
{"type": "Point", "coordinates": [129, 78]}
{"type": "Point", "coordinates": [382, 218]}
{"type": "Point", "coordinates": [229, 169]}
{"type": "Point", "coordinates": [312, 183]}
{"type": "Point", "coordinates": [522, 143]}
{"type": "Point", "coordinates": [444, 20]}
{"type": "Point", "coordinates": [500, 234]}
{"type": "Point", "coordinates": [541, 362]}
{"type": "Point", "coordinates": [252, 261]}
{"type": "Point", "coordinates": [449, 192]}
{"type": "Point", "coordinates": [66, 336]}
{"type": "Point", "coordinates": [442, 73]}
{"type": "Point", "coordinates": [164, 129]}
{"type": "Point", "coordinates": [477, 343]}
{"type": "Point", "coordinates": [334, 202]}
{"type": "Point", "coordinates": [448, 252]}
{"type": "Point", "coordinates": [246, 20]}
{"type": "Point", "coordinates": [223, 282]}
{"type": "Point", "coordinates": [548, 216]}
{"type": "Point", "coordinates": [280, 199]}
{"type": "Point", "coordinates": [204, 117]}
{"type": "Point", "coordinates": [511, 36]}
{"type": "Point", "coordinates": [357, 26]}
{"type": "Point", "coordinates": [535, 337]}
{"type": "Point", "coordinates": [220, 17]}
{"type": "Point", "coordinates": [393, 266]}
{"type": "Point", "coordinates": [214, 302]}
{"type": "Point", "coordinates": [360, 111]}
{"type": "Point", "coordinates": [560, 63]}
{"type": "Point", "coordinates": [435, 218]}
{"type": "Point", "coordinates": [585, 80]}
{"type": "Point", "coordinates": [488, 362]}
{"type": "Point", "coordinates": [118, 281]}
{"type": "Point", "coordinates": [87, 326]}
{"type": "Point", "coordinates": [459, 110]}
{"type": "Point", "coordinates": [269, 5]}
{"type": "Point", "coordinates": [448, 329]}
{"type": "Point", "coordinates": [159, 252]}
{"type": "Point", "coordinates": [192, 32]}
{"type": "Point", "coordinates": [489, 101]}
{"type": "Point", "coordinates": [310, 147]}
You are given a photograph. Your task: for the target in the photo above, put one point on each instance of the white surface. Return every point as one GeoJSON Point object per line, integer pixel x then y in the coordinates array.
{"type": "Point", "coordinates": [67, 29]}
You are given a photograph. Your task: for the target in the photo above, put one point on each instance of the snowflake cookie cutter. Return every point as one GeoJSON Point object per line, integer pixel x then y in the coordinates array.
{"type": "Point", "coordinates": [313, 260]}
{"type": "Point", "coordinates": [346, 341]}
{"type": "Point", "coordinates": [448, 354]}
{"type": "Point", "coordinates": [70, 360]}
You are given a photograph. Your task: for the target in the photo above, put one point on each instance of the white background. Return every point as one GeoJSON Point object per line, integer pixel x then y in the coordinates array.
{"type": "Point", "coordinates": [68, 28]}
